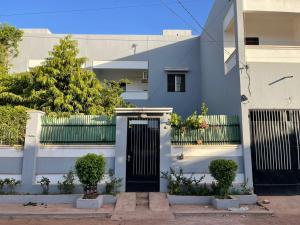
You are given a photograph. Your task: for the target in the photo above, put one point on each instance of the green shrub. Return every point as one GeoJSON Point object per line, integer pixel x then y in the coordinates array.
{"type": "Point", "coordinates": [67, 186]}
{"type": "Point", "coordinates": [204, 109]}
{"type": "Point", "coordinates": [45, 183]}
{"type": "Point", "coordinates": [11, 184]}
{"type": "Point", "coordinates": [2, 183]}
{"type": "Point", "coordinates": [178, 184]}
{"type": "Point", "coordinates": [224, 172]}
{"type": "Point", "coordinates": [90, 170]}
{"type": "Point", "coordinates": [12, 125]}
{"type": "Point", "coordinates": [175, 120]}
{"type": "Point", "coordinates": [114, 183]}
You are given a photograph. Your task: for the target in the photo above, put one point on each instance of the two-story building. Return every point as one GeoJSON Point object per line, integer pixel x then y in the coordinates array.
{"type": "Point", "coordinates": [164, 70]}
{"type": "Point", "coordinates": [246, 63]}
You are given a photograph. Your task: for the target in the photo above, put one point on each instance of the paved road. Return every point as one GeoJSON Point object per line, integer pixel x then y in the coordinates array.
{"type": "Point", "coordinates": [287, 212]}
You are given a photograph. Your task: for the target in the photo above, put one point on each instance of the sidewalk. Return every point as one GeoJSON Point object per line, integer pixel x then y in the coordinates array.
{"type": "Point", "coordinates": [286, 212]}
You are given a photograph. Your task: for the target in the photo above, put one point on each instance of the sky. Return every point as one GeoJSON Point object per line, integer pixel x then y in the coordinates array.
{"type": "Point", "coordinates": [105, 16]}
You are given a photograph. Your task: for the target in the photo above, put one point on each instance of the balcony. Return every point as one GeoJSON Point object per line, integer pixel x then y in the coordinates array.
{"type": "Point", "coordinates": [273, 53]}
{"type": "Point", "coordinates": [272, 37]}
{"type": "Point", "coordinates": [291, 6]}
{"type": "Point", "coordinates": [134, 71]}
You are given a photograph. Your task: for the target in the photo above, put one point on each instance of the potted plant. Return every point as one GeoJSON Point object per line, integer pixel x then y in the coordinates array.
{"type": "Point", "coordinates": [224, 172]}
{"type": "Point", "coordinates": [90, 171]}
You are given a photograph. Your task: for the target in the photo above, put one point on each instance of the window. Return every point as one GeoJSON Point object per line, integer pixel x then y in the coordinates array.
{"type": "Point", "coordinates": [252, 41]}
{"type": "Point", "coordinates": [176, 82]}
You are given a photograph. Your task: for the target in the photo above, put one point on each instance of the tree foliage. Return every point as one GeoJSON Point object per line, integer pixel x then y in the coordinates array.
{"type": "Point", "coordinates": [62, 86]}
{"type": "Point", "coordinates": [12, 125]}
{"type": "Point", "coordinates": [9, 41]}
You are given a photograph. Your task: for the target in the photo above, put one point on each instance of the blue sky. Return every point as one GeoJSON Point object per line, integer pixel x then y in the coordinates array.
{"type": "Point", "coordinates": [103, 16]}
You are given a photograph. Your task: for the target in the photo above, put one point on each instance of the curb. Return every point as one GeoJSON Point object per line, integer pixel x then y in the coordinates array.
{"type": "Point", "coordinates": [222, 212]}
{"type": "Point", "coordinates": [74, 215]}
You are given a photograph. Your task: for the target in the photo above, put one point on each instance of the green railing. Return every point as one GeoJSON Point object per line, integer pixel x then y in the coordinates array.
{"type": "Point", "coordinates": [221, 130]}
{"type": "Point", "coordinates": [79, 129]}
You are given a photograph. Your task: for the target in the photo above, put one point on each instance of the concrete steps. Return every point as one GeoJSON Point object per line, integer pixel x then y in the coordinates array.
{"type": "Point", "coordinates": [142, 199]}
{"type": "Point", "coordinates": [158, 202]}
{"type": "Point", "coordinates": [152, 206]}
{"type": "Point", "coordinates": [126, 202]}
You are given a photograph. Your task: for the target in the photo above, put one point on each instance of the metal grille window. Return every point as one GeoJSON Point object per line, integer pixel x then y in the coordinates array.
{"type": "Point", "coordinates": [176, 82]}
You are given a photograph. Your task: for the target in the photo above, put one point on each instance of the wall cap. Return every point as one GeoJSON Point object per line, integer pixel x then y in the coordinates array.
{"type": "Point", "coordinates": [35, 111]}
{"type": "Point", "coordinates": [144, 110]}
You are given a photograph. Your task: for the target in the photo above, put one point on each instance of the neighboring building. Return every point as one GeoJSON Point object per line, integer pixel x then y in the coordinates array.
{"type": "Point", "coordinates": [164, 70]}
{"type": "Point", "coordinates": [246, 63]}
{"type": "Point", "coordinates": [253, 71]}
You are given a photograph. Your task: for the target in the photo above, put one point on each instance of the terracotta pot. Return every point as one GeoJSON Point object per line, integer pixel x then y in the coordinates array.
{"type": "Point", "coordinates": [199, 142]}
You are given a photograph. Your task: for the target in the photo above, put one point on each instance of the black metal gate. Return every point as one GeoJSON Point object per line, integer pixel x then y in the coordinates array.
{"type": "Point", "coordinates": [275, 148]}
{"type": "Point", "coordinates": [143, 144]}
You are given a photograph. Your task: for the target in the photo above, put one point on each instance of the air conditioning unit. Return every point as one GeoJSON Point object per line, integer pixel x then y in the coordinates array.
{"type": "Point", "coordinates": [145, 77]}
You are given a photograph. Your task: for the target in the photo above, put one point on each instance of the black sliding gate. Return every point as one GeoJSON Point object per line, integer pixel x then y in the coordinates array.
{"type": "Point", "coordinates": [143, 144]}
{"type": "Point", "coordinates": [275, 148]}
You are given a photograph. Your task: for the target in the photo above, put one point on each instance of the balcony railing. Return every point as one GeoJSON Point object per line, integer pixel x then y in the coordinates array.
{"type": "Point", "coordinates": [273, 53]}
{"type": "Point", "coordinates": [135, 95]}
{"type": "Point", "coordinates": [292, 6]}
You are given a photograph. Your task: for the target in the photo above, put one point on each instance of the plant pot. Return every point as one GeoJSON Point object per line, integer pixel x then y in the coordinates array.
{"type": "Point", "coordinates": [199, 142]}
{"type": "Point", "coordinates": [230, 202]}
{"type": "Point", "coordinates": [89, 203]}
{"type": "Point", "coordinates": [250, 199]}
{"type": "Point", "coordinates": [189, 200]}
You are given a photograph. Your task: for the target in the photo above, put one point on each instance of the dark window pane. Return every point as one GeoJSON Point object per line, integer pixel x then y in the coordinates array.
{"type": "Point", "coordinates": [252, 41]}
{"type": "Point", "coordinates": [182, 84]}
{"type": "Point", "coordinates": [171, 82]}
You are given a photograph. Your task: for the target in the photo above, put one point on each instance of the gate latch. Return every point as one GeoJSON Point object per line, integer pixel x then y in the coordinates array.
{"type": "Point", "coordinates": [128, 158]}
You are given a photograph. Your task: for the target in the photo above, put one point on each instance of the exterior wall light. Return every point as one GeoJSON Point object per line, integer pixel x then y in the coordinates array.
{"type": "Point", "coordinates": [244, 98]}
{"type": "Point", "coordinates": [181, 157]}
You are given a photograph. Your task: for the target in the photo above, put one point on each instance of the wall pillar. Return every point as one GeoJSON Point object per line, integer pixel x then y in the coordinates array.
{"type": "Point", "coordinates": [244, 82]}
{"type": "Point", "coordinates": [165, 148]}
{"type": "Point", "coordinates": [31, 146]}
{"type": "Point", "coordinates": [121, 147]}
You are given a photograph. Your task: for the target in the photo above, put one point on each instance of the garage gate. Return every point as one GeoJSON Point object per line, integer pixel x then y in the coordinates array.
{"type": "Point", "coordinates": [275, 150]}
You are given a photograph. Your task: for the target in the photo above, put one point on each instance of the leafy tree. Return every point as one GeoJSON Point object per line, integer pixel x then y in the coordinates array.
{"type": "Point", "coordinates": [14, 89]}
{"type": "Point", "coordinates": [9, 42]}
{"type": "Point", "coordinates": [62, 86]}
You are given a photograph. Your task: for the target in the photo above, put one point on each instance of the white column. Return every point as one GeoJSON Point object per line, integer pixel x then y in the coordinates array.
{"type": "Point", "coordinates": [31, 146]}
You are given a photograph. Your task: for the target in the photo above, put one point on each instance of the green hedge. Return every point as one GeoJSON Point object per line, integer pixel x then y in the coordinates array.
{"type": "Point", "coordinates": [12, 125]}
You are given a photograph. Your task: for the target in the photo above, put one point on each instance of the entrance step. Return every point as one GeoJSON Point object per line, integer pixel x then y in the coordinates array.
{"type": "Point", "coordinates": [158, 202]}
{"type": "Point", "coordinates": [126, 202]}
{"type": "Point", "coordinates": [142, 199]}
{"type": "Point", "coordinates": [142, 203]}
